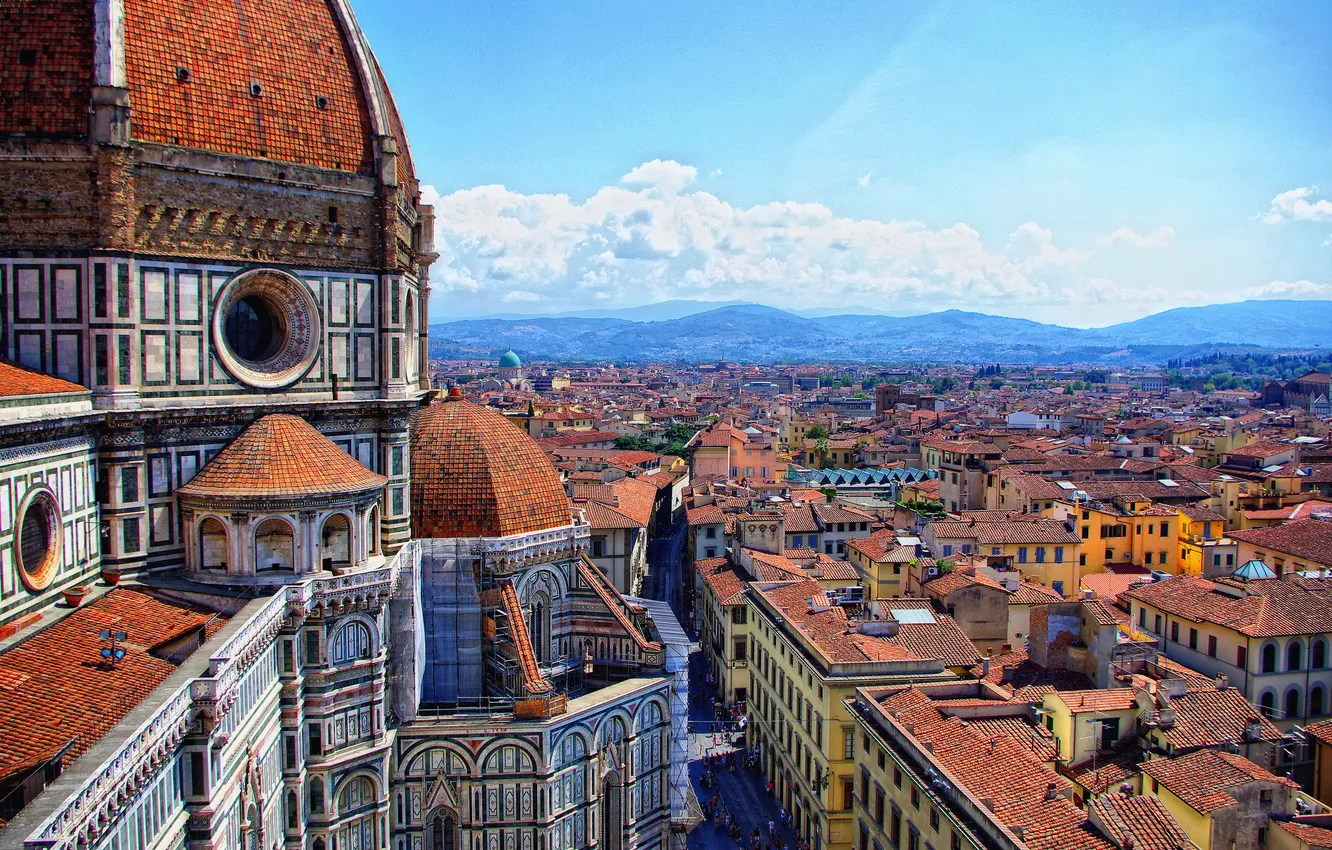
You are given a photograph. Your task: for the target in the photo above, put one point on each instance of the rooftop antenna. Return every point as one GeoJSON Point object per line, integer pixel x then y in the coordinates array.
{"type": "Point", "coordinates": [112, 651]}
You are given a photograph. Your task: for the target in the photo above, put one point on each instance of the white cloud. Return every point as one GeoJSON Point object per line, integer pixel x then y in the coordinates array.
{"type": "Point", "coordinates": [1162, 237]}
{"type": "Point", "coordinates": [667, 175]}
{"type": "Point", "coordinates": [1293, 289]}
{"type": "Point", "coordinates": [648, 240]}
{"type": "Point", "coordinates": [865, 179]}
{"type": "Point", "coordinates": [1295, 205]}
{"type": "Point", "coordinates": [716, 172]}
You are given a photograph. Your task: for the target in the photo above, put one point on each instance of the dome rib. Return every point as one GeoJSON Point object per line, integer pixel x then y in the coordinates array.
{"type": "Point", "coordinates": [282, 456]}
{"type": "Point", "coordinates": [476, 474]}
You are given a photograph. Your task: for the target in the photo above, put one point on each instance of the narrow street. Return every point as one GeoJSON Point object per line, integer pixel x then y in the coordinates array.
{"type": "Point", "coordinates": [666, 568]}
{"type": "Point", "coordinates": [739, 795]}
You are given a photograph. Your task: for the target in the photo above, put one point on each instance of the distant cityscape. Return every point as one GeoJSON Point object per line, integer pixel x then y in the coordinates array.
{"type": "Point", "coordinates": [292, 559]}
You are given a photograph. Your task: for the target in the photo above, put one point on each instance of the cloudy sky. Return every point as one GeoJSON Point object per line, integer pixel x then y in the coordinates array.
{"type": "Point", "coordinates": [1079, 163]}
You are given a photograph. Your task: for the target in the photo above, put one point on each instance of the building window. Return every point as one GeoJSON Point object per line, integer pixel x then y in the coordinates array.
{"type": "Point", "coordinates": [1293, 703]}
{"type": "Point", "coordinates": [1059, 554]}
{"type": "Point", "coordinates": [1269, 658]}
{"type": "Point", "coordinates": [1193, 638]}
{"type": "Point", "coordinates": [1317, 699]}
{"type": "Point", "coordinates": [1242, 657]}
{"type": "Point", "coordinates": [1174, 632]}
{"type": "Point", "coordinates": [1318, 657]}
{"type": "Point", "coordinates": [1040, 554]}
{"type": "Point", "coordinates": [1294, 656]}
{"type": "Point", "coordinates": [1211, 645]}
{"type": "Point", "coordinates": [848, 744]}
{"type": "Point", "coordinates": [848, 795]}
{"type": "Point", "coordinates": [1022, 554]}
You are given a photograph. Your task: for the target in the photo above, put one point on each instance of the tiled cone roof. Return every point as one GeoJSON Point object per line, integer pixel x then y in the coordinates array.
{"type": "Point", "coordinates": [476, 474]}
{"type": "Point", "coordinates": [281, 455]}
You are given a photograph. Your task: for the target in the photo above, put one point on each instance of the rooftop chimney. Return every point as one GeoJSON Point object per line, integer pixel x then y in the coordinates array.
{"type": "Point", "coordinates": [1051, 792]}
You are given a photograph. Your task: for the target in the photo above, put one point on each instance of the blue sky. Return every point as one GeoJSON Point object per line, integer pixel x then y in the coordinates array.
{"type": "Point", "coordinates": [1065, 162]}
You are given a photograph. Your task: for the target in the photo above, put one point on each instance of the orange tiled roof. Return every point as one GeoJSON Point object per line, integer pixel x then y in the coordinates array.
{"type": "Point", "coordinates": [1143, 818]}
{"type": "Point", "coordinates": [1272, 607]}
{"type": "Point", "coordinates": [1202, 779]}
{"type": "Point", "coordinates": [16, 380]}
{"type": "Point", "coordinates": [50, 96]}
{"type": "Point", "coordinates": [475, 474]}
{"type": "Point", "coordinates": [1001, 770]}
{"type": "Point", "coordinates": [295, 49]}
{"type": "Point", "coordinates": [55, 689]}
{"type": "Point", "coordinates": [281, 455]}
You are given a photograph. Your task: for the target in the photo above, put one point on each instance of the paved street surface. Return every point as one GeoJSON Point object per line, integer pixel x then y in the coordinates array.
{"type": "Point", "coordinates": [666, 568]}
{"type": "Point", "coordinates": [743, 793]}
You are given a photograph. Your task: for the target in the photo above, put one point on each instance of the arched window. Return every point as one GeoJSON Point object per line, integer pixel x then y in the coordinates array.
{"type": "Point", "coordinates": [335, 543]}
{"type": "Point", "coordinates": [274, 546]}
{"type": "Point", "coordinates": [357, 799]}
{"type": "Point", "coordinates": [1293, 703]}
{"type": "Point", "coordinates": [1269, 658]}
{"type": "Point", "coordinates": [212, 545]}
{"type": "Point", "coordinates": [1267, 702]}
{"type": "Point", "coordinates": [293, 811]}
{"type": "Point", "coordinates": [316, 796]}
{"type": "Point", "coordinates": [318, 844]}
{"type": "Point", "coordinates": [374, 530]}
{"type": "Point", "coordinates": [538, 626]}
{"type": "Point", "coordinates": [1317, 701]}
{"type": "Point", "coordinates": [1294, 655]}
{"type": "Point", "coordinates": [351, 643]}
{"type": "Point", "coordinates": [412, 342]}
{"type": "Point", "coordinates": [1318, 656]}
{"type": "Point", "coordinates": [614, 731]}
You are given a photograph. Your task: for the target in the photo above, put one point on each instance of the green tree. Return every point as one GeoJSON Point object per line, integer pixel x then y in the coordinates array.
{"type": "Point", "coordinates": [821, 450]}
{"type": "Point", "coordinates": [817, 432]}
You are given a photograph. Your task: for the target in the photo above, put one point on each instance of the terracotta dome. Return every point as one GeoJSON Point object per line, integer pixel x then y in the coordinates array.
{"type": "Point", "coordinates": [281, 456]}
{"type": "Point", "coordinates": [287, 80]}
{"type": "Point", "coordinates": [476, 474]}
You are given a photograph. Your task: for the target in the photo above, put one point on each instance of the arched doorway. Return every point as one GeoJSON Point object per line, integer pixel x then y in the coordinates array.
{"type": "Point", "coordinates": [443, 832]}
{"type": "Point", "coordinates": [335, 540]}
{"type": "Point", "coordinates": [612, 811]}
{"type": "Point", "coordinates": [213, 545]}
{"type": "Point", "coordinates": [274, 546]}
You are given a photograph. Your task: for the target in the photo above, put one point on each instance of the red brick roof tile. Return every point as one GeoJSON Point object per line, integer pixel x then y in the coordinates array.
{"type": "Point", "coordinates": [281, 455]}
{"type": "Point", "coordinates": [475, 474]}
{"type": "Point", "coordinates": [17, 380]}
{"type": "Point", "coordinates": [55, 688]}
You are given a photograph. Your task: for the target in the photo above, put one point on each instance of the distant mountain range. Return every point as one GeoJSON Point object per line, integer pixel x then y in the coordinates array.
{"type": "Point", "coordinates": [752, 333]}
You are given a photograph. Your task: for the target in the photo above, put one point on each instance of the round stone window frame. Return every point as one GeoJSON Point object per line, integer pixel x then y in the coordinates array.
{"type": "Point", "coordinates": [41, 498]}
{"type": "Point", "coordinates": [288, 299]}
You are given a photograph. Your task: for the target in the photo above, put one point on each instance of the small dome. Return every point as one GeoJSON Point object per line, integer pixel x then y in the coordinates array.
{"type": "Point", "coordinates": [281, 456]}
{"type": "Point", "coordinates": [510, 360]}
{"type": "Point", "coordinates": [476, 474]}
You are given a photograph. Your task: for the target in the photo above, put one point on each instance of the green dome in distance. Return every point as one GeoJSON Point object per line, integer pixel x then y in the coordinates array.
{"type": "Point", "coordinates": [510, 360]}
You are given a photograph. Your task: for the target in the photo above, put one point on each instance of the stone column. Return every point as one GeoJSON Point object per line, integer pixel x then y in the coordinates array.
{"type": "Point", "coordinates": [308, 550]}
{"type": "Point", "coordinates": [240, 548]}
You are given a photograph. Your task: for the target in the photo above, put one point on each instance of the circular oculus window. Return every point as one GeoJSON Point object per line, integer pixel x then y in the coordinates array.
{"type": "Point", "coordinates": [37, 543]}
{"type": "Point", "coordinates": [266, 328]}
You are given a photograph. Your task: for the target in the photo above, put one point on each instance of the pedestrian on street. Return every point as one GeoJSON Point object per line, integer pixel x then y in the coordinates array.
{"type": "Point", "coordinates": [772, 827]}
